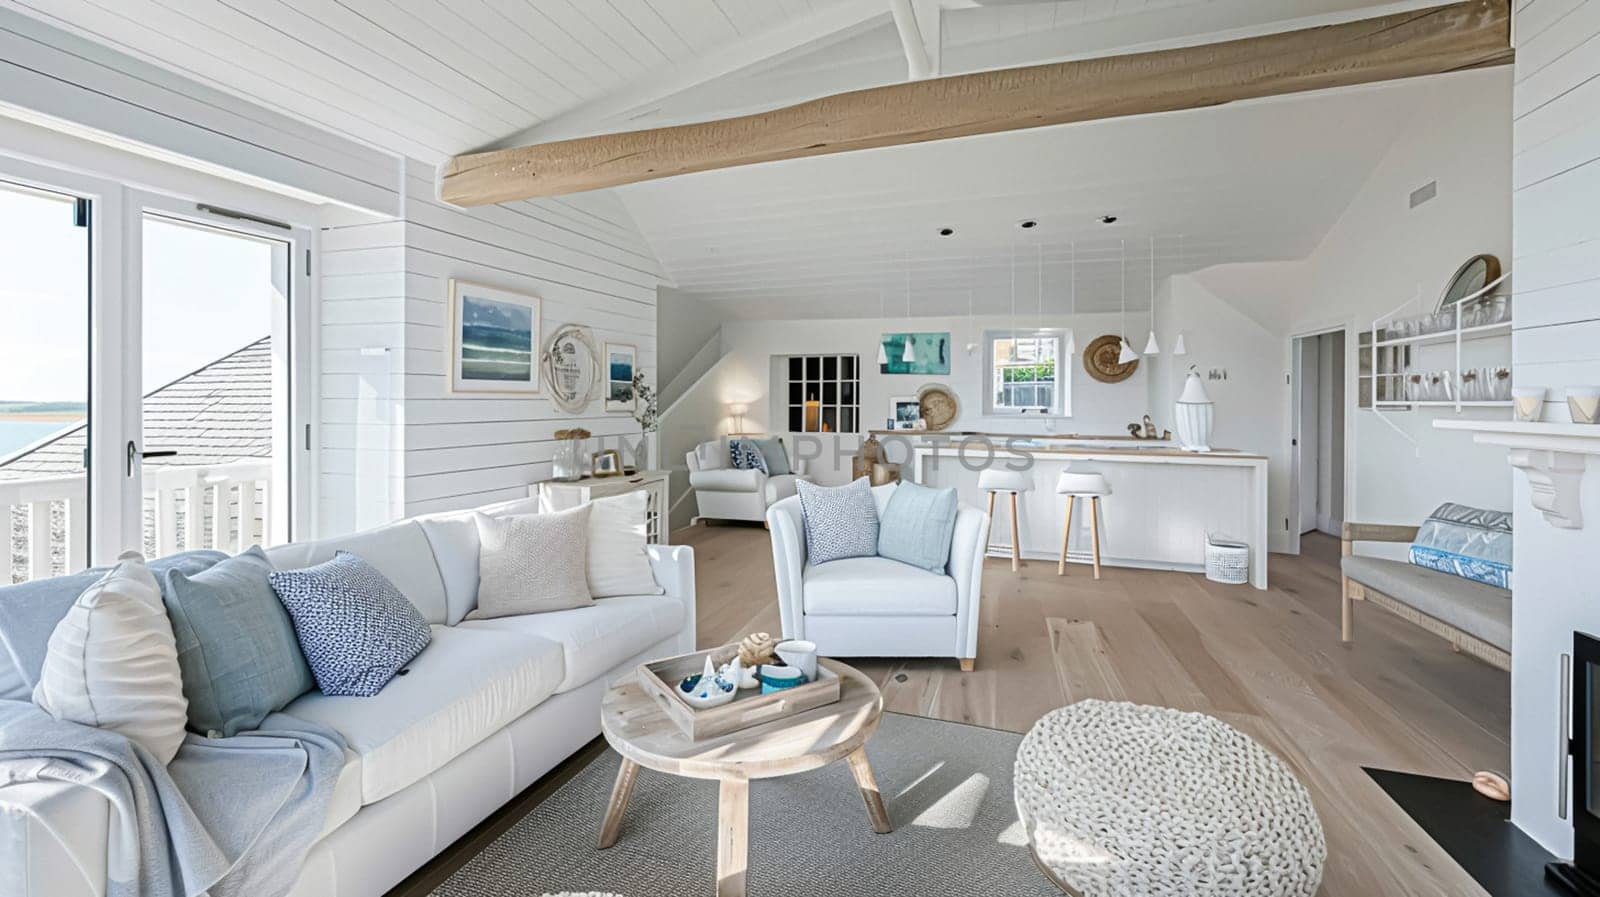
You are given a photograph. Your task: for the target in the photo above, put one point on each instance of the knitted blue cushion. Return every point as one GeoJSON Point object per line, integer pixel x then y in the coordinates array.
{"type": "Point", "coordinates": [744, 454]}
{"type": "Point", "coordinates": [355, 628]}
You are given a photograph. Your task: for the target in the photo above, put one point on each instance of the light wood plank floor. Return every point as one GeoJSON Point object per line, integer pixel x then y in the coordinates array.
{"type": "Point", "coordinates": [1269, 662]}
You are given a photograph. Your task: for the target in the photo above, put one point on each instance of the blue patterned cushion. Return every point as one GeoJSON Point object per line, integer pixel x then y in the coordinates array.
{"type": "Point", "coordinates": [1467, 542]}
{"type": "Point", "coordinates": [355, 628]}
{"type": "Point", "coordinates": [744, 454]}
{"type": "Point", "coordinates": [841, 521]}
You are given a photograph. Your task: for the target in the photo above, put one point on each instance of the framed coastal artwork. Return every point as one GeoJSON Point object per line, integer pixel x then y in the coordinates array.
{"type": "Point", "coordinates": [494, 339]}
{"type": "Point", "coordinates": [621, 360]}
{"type": "Point", "coordinates": [904, 412]}
{"type": "Point", "coordinates": [930, 353]}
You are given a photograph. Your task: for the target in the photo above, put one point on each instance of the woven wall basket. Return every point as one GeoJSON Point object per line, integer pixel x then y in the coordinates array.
{"type": "Point", "coordinates": [1100, 360]}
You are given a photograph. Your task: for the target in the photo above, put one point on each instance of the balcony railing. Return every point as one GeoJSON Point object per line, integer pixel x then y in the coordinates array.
{"type": "Point", "coordinates": [228, 505]}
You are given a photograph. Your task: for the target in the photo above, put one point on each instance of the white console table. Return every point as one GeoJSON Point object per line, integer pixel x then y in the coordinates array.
{"type": "Point", "coordinates": [554, 495]}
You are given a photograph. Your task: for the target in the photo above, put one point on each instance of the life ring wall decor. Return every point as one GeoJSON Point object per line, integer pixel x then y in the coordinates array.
{"type": "Point", "coordinates": [1100, 360]}
{"type": "Point", "coordinates": [571, 368]}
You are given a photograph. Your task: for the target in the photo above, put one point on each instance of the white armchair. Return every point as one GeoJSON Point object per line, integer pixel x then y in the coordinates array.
{"type": "Point", "coordinates": [876, 607]}
{"type": "Point", "coordinates": [724, 493]}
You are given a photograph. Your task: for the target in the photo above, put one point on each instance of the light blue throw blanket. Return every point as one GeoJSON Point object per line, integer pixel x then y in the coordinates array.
{"type": "Point", "coordinates": [229, 816]}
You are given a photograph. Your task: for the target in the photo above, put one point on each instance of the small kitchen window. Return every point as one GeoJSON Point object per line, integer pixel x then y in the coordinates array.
{"type": "Point", "coordinates": [1023, 375]}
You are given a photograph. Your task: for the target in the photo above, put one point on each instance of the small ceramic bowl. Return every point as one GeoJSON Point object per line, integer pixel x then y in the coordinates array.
{"type": "Point", "coordinates": [776, 678]}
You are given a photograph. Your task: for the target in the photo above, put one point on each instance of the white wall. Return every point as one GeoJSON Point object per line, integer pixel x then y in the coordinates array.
{"type": "Point", "coordinates": [691, 323]}
{"type": "Point", "coordinates": [1380, 254]}
{"type": "Point", "coordinates": [1556, 177]}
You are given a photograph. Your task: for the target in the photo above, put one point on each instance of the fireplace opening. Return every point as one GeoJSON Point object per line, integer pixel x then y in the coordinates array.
{"type": "Point", "coordinates": [1582, 875]}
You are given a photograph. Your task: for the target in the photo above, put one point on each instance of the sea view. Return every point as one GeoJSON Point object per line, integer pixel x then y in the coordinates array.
{"type": "Point", "coordinates": [25, 428]}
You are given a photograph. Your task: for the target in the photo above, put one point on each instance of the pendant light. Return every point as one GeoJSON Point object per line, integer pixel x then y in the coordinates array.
{"type": "Point", "coordinates": [883, 354]}
{"type": "Point", "coordinates": [1072, 319]}
{"type": "Point", "coordinates": [972, 331]}
{"type": "Point", "coordinates": [1013, 355]}
{"type": "Point", "coordinates": [1151, 347]}
{"type": "Point", "coordinates": [909, 355]}
{"type": "Point", "coordinates": [1126, 355]}
{"type": "Point", "coordinates": [1178, 348]}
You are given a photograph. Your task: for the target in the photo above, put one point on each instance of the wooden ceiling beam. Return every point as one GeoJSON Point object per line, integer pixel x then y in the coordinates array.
{"type": "Point", "coordinates": [1465, 35]}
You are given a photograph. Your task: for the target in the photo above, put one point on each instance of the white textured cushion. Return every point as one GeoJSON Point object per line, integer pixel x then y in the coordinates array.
{"type": "Point", "coordinates": [618, 562]}
{"type": "Point", "coordinates": [596, 638]}
{"type": "Point", "coordinates": [462, 688]}
{"type": "Point", "coordinates": [453, 535]}
{"type": "Point", "coordinates": [112, 662]}
{"type": "Point", "coordinates": [532, 563]}
{"type": "Point", "coordinates": [876, 587]}
{"type": "Point", "coordinates": [400, 551]}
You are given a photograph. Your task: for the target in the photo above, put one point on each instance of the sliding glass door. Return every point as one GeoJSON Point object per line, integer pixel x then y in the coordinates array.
{"type": "Point", "coordinates": [149, 397]}
{"type": "Point", "coordinates": [44, 380]}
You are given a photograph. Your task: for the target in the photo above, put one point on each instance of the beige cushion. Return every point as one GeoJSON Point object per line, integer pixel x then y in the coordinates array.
{"type": "Point", "coordinates": [619, 563]}
{"type": "Point", "coordinates": [530, 563]}
{"type": "Point", "coordinates": [112, 662]}
{"type": "Point", "coordinates": [1478, 609]}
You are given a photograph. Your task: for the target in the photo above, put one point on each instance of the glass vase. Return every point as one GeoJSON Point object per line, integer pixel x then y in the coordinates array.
{"type": "Point", "coordinates": [567, 463]}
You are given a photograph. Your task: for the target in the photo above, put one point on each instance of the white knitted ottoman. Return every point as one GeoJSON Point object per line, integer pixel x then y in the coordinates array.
{"type": "Point", "coordinates": [1123, 800]}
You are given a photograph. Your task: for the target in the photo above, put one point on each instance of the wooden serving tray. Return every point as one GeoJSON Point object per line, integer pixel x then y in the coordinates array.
{"type": "Point", "coordinates": [748, 708]}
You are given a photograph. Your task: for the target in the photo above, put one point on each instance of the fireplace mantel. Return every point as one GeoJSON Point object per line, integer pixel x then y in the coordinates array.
{"type": "Point", "coordinates": [1551, 454]}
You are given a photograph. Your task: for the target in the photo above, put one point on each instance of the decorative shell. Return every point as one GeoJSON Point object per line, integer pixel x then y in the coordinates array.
{"type": "Point", "coordinates": [1491, 785]}
{"type": "Point", "coordinates": [757, 648]}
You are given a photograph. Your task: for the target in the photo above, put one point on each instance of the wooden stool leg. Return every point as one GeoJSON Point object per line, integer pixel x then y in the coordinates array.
{"type": "Point", "coordinates": [733, 836]}
{"type": "Point", "coordinates": [1094, 531]}
{"type": "Point", "coordinates": [876, 811]}
{"type": "Point", "coordinates": [1066, 532]}
{"type": "Point", "coordinates": [620, 793]}
{"type": "Point", "coordinates": [1016, 541]}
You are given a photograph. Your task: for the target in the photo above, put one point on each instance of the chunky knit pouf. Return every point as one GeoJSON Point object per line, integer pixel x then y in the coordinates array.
{"type": "Point", "coordinates": [1122, 799]}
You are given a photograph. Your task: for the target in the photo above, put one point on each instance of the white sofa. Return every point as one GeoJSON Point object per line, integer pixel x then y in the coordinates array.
{"type": "Point", "coordinates": [722, 492]}
{"type": "Point", "coordinates": [876, 607]}
{"type": "Point", "coordinates": [487, 708]}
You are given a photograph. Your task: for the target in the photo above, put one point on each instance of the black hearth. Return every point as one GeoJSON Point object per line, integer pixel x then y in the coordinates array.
{"type": "Point", "coordinates": [1582, 875]}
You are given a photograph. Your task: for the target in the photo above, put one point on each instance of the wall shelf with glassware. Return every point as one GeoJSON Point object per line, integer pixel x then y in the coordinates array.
{"type": "Point", "coordinates": [1395, 343]}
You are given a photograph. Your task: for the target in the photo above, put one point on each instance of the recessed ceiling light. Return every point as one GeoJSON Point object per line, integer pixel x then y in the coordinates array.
{"type": "Point", "coordinates": [946, 231]}
{"type": "Point", "coordinates": [1027, 224]}
{"type": "Point", "coordinates": [1108, 219]}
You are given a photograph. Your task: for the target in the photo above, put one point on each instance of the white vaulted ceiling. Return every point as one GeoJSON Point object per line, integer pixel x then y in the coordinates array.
{"type": "Point", "coordinates": [825, 236]}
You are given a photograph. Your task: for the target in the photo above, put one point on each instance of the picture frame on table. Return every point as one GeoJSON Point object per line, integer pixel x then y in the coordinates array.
{"type": "Point", "coordinates": [495, 337]}
{"type": "Point", "coordinates": [605, 463]}
{"type": "Point", "coordinates": [905, 412]}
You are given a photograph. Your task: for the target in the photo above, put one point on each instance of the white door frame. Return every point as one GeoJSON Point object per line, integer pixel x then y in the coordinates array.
{"type": "Point", "coordinates": [1295, 411]}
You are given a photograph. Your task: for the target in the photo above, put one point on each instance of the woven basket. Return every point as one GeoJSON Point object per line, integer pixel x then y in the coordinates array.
{"type": "Point", "coordinates": [1227, 560]}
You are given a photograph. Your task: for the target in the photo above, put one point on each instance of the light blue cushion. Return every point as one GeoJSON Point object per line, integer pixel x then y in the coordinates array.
{"type": "Point", "coordinates": [743, 454]}
{"type": "Point", "coordinates": [355, 628]}
{"type": "Point", "coordinates": [840, 521]}
{"type": "Point", "coordinates": [776, 458]}
{"type": "Point", "coordinates": [1467, 542]}
{"type": "Point", "coordinates": [917, 526]}
{"type": "Point", "coordinates": [236, 646]}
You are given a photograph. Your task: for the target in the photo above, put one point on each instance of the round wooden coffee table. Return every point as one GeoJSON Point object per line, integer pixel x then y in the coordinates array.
{"type": "Point", "coordinates": [639, 730]}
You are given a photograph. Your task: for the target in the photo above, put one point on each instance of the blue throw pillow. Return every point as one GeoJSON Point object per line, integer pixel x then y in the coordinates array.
{"type": "Point", "coordinates": [236, 646]}
{"type": "Point", "coordinates": [775, 459]}
{"type": "Point", "coordinates": [1467, 542]}
{"type": "Point", "coordinates": [745, 455]}
{"type": "Point", "coordinates": [355, 628]}
{"type": "Point", "coordinates": [840, 521]}
{"type": "Point", "coordinates": [917, 526]}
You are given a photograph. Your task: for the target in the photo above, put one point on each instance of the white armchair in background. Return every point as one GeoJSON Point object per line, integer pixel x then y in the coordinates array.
{"type": "Point", "coordinates": [876, 607]}
{"type": "Point", "coordinates": [722, 492]}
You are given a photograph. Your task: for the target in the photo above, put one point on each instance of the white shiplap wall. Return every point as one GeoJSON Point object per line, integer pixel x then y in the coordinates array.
{"type": "Point", "coordinates": [386, 339]}
{"type": "Point", "coordinates": [1556, 280]}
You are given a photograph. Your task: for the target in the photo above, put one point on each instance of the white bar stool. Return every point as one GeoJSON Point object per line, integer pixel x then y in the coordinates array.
{"type": "Point", "coordinates": [1009, 481]}
{"type": "Point", "coordinates": [1075, 486]}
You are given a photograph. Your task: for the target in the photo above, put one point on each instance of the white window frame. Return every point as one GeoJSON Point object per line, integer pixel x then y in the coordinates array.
{"type": "Point", "coordinates": [1061, 407]}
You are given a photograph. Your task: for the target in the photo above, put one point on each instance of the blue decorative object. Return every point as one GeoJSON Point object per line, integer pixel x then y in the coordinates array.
{"type": "Point", "coordinates": [840, 521]}
{"type": "Point", "coordinates": [917, 526]}
{"type": "Point", "coordinates": [355, 628]}
{"type": "Point", "coordinates": [776, 678]}
{"type": "Point", "coordinates": [709, 688]}
{"type": "Point", "coordinates": [237, 650]}
{"type": "Point", "coordinates": [744, 454]}
{"type": "Point", "coordinates": [1468, 542]}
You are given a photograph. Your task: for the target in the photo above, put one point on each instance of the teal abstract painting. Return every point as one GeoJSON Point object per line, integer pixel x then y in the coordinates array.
{"type": "Point", "coordinates": [930, 353]}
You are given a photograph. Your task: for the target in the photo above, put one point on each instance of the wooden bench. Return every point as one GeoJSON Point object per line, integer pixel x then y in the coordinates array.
{"type": "Point", "coordinates": [1473, 617]}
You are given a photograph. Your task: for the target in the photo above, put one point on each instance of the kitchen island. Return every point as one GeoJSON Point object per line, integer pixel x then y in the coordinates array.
{"type": "Point", "coordinates": [1164, 500]}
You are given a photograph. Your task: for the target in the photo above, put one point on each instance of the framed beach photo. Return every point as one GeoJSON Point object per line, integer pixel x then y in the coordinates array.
{"type": "Point", "coordinates": [494, 339]}
{"type": "Point", "coordinates": [904, 412]}
{"type": "Point", "coordinates": [621, 361]}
